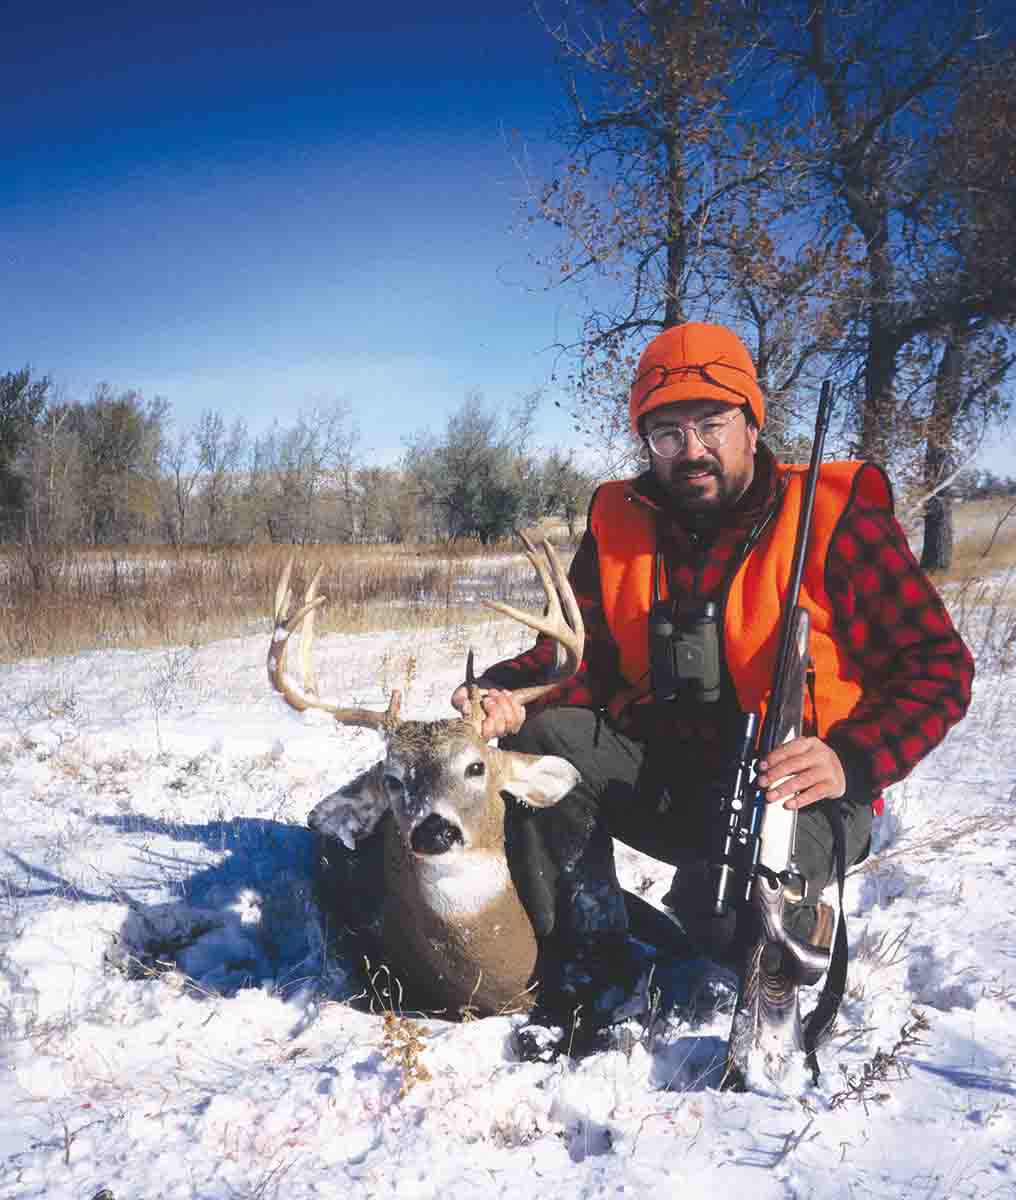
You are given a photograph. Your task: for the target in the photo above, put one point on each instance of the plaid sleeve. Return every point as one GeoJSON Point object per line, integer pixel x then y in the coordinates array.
{"type": "Point", "coordinates": [917, 672]}
{"type": "Point", "coordinates": [598, 676]}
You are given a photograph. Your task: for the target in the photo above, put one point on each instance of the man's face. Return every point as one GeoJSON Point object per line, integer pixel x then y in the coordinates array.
{"type": "Point", "coordinates": [697, 478]}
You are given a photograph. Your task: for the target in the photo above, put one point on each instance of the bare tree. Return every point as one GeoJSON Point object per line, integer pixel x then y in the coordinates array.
{"type": "Point", "coordinates": [652, 147]}
{"type": "Point", "coordinates": [871, 113]}
{"type": "Point", "coordinates": [303, 477]}
{"type": "Point", "coordinates": [475, 480]}
{"type": "Point", "coordinates": [386, 507]}
{"type": "Point", "coordinates": [52, 465]}
{"type": "Point", "coordinates": [567, 489]}
{"type": "Point", "coordinates": [119, 437]}
{"type": "Point", "coordinates": [180, 473]}
{"type": "Point", "coordinates": [835, 181]}
{"type": "Point", "coordinates": [221, 454]}
{"type": "Point", "coordinates": [22, 404]}
{"type": "Point", "coordinates": [975, 187]}
{"type": "Point", "coordinates": [680, 203]}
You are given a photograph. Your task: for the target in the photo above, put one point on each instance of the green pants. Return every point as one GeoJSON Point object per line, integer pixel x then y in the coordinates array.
{"type": "Point", "coordinates": [650, 800]}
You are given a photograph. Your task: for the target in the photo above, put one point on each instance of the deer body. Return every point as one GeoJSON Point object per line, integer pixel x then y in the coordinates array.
{"type": "Point", "coordinates": [451, 928]}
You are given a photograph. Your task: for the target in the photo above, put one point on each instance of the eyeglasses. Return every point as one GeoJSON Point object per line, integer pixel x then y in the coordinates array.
{"type": "Point", "coordinates": [667, 441]}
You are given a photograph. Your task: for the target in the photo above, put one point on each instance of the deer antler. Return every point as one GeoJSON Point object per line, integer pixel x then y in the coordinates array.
{"type": "Point", "coordinates": [562, 621]}
{"type": "Point", "coordinates": [304, 694]}
{"type": "Point", "coordinates": [476, 713]}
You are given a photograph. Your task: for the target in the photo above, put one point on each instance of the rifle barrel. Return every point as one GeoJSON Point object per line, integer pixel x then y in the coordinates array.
{"type": "Point", "coordinates": [825, 404]}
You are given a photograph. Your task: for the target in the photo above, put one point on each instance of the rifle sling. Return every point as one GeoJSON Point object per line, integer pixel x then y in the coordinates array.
{"type": "Point", "coordinates": [820, 1023]}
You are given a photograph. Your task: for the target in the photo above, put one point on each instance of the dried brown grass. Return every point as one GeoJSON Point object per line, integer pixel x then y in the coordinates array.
{"type": "Point", "coordinates": [985, 538]}
{"type": "Point", "coordinates": [58, 601]}
{"type": "Point", "coordinates": [980, 586]}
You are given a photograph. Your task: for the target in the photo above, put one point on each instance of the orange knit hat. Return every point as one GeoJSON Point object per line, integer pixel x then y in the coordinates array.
{"type": "Point", "coordinates": [695, 362]}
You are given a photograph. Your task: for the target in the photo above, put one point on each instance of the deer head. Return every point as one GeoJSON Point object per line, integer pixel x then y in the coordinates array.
{"type": "Point", "coordinates": [444, 785]}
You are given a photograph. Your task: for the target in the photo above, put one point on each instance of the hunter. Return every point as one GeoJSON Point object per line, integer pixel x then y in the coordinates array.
{"type": "Point", "coordinates": [713, 520]}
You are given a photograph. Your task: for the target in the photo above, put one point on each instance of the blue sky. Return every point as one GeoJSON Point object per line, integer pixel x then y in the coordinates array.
{"type": "Point", "coordinates": [257, 209]}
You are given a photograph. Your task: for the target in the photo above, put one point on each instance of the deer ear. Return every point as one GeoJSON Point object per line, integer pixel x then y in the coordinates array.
{"type": "Point", "coordinates": [540, 780]}
{"type": "Point", "coordinates": [352, 813]}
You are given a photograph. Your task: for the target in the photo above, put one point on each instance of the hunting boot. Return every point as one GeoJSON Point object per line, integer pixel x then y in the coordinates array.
{"type": "Point", "coordinates": [689, 902]}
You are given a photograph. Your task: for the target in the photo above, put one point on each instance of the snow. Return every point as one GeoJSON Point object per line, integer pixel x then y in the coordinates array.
{"type": "Point", "coordinates": [172, 1028]}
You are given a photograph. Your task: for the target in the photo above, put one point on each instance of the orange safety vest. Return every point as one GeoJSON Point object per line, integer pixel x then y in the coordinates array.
{"type": "Point", "coordinates": [625, 532]}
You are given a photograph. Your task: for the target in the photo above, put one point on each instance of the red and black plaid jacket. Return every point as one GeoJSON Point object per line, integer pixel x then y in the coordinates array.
{"type": "Point", "coordinates": [917, 672]}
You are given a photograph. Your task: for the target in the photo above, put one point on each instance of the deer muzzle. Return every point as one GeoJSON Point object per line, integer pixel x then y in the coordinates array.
{"type": "Point", "coordinates": [435, 835]}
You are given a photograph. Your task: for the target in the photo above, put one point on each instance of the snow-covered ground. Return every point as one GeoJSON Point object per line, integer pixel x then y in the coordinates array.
{"type": "Point", "coordinates": [170, 1028]}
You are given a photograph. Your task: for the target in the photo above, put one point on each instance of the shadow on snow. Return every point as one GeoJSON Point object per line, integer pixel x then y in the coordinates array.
{"type": "Point", "coordinates": [250, 920]}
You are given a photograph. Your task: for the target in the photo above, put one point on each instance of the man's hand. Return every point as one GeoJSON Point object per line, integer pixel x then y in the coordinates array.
{"type": "Point", "coordinates": [503, 713]}
{"type": "Point", "coordinates": [802, 772]}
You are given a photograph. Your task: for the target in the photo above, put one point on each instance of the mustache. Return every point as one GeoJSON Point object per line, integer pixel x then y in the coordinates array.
{"type": "Point", "coordinates": [687, 472]}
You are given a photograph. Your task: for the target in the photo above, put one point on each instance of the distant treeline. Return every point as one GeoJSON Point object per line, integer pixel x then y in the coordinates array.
{"type": "Point", "coordinates": [112, 470]}
{"type": "Point", "coordinates": [982, 485]}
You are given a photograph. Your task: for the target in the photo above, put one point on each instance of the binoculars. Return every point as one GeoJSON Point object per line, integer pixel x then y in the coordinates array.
{"type": "Point", "coordinates": [684, 653]}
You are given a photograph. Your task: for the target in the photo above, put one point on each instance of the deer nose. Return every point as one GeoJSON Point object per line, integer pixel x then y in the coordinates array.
{"type": "Point", "coordinates": [435, 835]}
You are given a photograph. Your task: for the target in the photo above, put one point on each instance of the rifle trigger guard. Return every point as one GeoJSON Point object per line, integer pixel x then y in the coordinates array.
{"type": "Point", "coordinates": [794, 885]}
{"type": "Point", "coordinates": [792, 882]}
{"type": "Point", "coordinates": [769, 875]}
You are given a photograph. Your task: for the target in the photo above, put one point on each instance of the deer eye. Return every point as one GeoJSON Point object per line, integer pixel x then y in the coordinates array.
{"type": "Point", "coordinates": [475, 770]}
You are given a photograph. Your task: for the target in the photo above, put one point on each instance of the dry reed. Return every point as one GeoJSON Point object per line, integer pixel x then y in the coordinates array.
{"type": "Point", "coordinates": [56, 601]}
{"type": "Point", "coordinates": [59, 601]}
{"type": "Point", "coordinates": [985, 538]}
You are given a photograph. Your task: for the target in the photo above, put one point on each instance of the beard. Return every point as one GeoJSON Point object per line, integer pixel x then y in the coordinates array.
{"type": "Point", "coordinates": [705, 487]}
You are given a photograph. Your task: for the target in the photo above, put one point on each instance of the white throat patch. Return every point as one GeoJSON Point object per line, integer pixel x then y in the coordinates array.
{"type": "Point", "coordinates": [463, 884]}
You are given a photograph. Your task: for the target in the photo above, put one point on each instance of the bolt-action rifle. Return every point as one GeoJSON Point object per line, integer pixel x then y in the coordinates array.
{"type": "Point", "coordinates": [754, 867]}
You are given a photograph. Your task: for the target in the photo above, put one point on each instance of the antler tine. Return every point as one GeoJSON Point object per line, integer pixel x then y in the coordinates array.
{"type": "Point", "coordinates": [572, 613]}
{"type": "Point", "coordinates": [476, 713]}
{"type": "Point", "coordinates": [287, 625]}
{"type": "Point", "coordinates": [565, 627]}
{"type": "Point", "coordinates": [303, 695]}
{"type": "Point", "coordinates": [311, 605]}
{"type": "Point", "coordinates": [282, 593]}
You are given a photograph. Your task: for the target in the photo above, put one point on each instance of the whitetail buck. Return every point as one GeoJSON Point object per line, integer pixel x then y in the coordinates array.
{"type": "Point", "coordinates": [427, 823]}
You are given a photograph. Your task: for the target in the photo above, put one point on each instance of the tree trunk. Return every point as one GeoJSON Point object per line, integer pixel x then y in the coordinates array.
{"type": "Point", "coordinates": [666, 21]}
{"type": "Point", "coordinates": [879, 416]}
{"type": "Point", "coordinates": [937, 551]}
